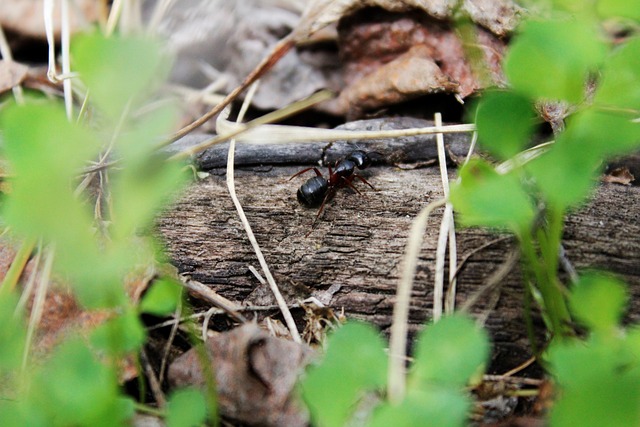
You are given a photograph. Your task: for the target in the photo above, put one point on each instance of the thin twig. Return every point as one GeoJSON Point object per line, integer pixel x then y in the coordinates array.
{"type": "Point", "coordinates": [167, 346]}
{"type": "Point", "coordinates": [494, 280]}
{"type": "Point", "coordinates": [154, 384]}
{"type": "Point", "coordinates": [291, 324]}
{"type": "Point", "coordinates": [517, 380]}
{"type": "Point", "coordinates": [468, 255]}
{"type": "Point", "coordinates": [398, 339]}
{"type": "Point", "coordinates": [267, 118]}
{"type": "Point", "coordinates": [520, 367]}
{"type": "Point", "coordinates": [205, 322]}
{"type": "Point", "coordinates": [214, 311]}
{"type": "Point", "coordinates": [278, 51]}
{"type": "Point", "coordinates": [209, 295]}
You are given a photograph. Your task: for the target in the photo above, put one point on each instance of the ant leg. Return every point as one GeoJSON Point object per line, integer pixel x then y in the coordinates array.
{"type": "Point", "coordinates": [329, 195]}
{"type": "Point", "coordinates": [348, 183]}
{"type": "Point", "coordinates": [355, 175]}
{"type": "Point", "coordinates": [306, 170]}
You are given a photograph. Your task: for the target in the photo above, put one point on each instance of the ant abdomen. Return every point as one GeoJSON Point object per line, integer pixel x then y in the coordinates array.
{"type": "Point", "coordinates": [312, 193]}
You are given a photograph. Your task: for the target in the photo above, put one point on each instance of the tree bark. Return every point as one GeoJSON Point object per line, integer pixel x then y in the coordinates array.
{"type": "Point", "coordinates": [357, 247]}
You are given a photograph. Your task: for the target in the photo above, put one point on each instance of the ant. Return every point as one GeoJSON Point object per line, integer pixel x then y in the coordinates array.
{"type": "Point", "coordinates": [316, 191]}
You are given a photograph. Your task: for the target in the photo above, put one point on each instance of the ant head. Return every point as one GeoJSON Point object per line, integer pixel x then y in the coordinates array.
{"type": "Point", "coordinates": [360, 158]}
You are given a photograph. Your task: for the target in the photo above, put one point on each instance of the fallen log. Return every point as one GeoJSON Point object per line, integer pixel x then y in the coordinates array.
{"type": "Point", "coordinates": [357, 246]}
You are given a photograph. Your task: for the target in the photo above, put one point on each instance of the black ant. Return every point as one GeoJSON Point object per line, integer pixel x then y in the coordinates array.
{"type": "Point", "coordinates": [318, 190]}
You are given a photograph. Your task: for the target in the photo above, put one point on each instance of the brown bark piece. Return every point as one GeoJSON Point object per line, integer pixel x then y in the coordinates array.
{"type": "Point", "coordinates": [359, 242]}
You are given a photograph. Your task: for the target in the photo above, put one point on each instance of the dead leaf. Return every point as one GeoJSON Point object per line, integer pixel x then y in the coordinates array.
{"type": "Point", "coordinates": [11, 74]}
{"type": "Point", "coordinates": [25, 16]}
{"type": "Point", "coordinates": [410, 75]}
{"type": "Point", "coordinates": [498, 16]}
{"type": "Point", "coordinates": [255, 376]}
{"type": "Point", "coordinates": [620, 175]}
{"type": "Point", "coordinates": [373, 39]}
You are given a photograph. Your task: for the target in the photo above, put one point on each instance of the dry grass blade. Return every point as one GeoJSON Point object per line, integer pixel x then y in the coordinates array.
{"type": "Point", "coordinates": [266, 134]}
{"type": "Point", "coordinates": [267, 118]}
{"type": "Point", "coordinates": [524, 157]}
{"type": "Point", "coordinates": [493, 281]}
{"type": "Point", "coordinates": [38, 302]}
{"type": "Point", "coordinates": [398, 340]}
{"type": "Point", "coordinates": [291, 324]}
{"type": "Point", "coordinates": [278, 51]}
{"type": "Point", "coordinates": [446, 230]}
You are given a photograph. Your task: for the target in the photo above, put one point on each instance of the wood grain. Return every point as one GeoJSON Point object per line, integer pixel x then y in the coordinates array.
{"type": "Point", "coordinates": [359, 242]}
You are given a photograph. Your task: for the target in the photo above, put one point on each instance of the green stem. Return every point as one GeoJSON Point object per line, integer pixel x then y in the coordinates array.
{"type": "Point", "coordinates": [528, 320]}
{"type": "Point", "coordinates": [546, 280]}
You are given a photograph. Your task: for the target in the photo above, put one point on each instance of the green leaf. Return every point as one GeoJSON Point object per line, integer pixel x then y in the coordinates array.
{"type": "Point", "coordinates": [73, 388]}
{"type": "Point", "coordinates": [449, 352]}
{"type": "Point", "coordinates": [596, 385]}
{"type": "Point", "coordinates": [565, 174]}
{"type": "Point", "coordinates": [162, 298]}
{"type": "Point", "coordinates": [505, 122]}
{"type": "Point", "coordinates": [620, 84]}
{"type": "Point", "coordinates": [602, 133]}
{"type": "Point", "coordinates": [552, 59]}
{"type": "Point", "coordinates": [140, 192]}
{"type": "Point", "coordinates": [12, 335]}
{"type": "Point", "coordinates": [433, 406]}
{"type": "Point", "coordinates": [483, 197]}
{"type": "Point", "coordinates": [122, 334]}
{"type": "Point", "coordinates": [355, 362]}
{"type": "Point", "coordinates": [186, 408]}
{"type": "Point", "coordinates": [45, 152]}
{"type": "Point", "coordinates": [619, 8]}
{"type": "Point", "coordinates": [598, 301]}
{"type": "Point", "coordinates": [117, 70]}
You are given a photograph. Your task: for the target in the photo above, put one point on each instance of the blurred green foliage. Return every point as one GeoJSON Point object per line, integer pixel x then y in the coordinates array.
{"type": "Point", "coordinates": [46, 153]}
{"type": "Point", "coordinates": [353, 373]}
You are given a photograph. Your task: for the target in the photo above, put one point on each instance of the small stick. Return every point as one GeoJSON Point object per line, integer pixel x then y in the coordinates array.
{"type": "Point", "coordinates": [154, 384]}
{"type": "Point", "coordinates": [167, 346]}
{"type": "Point", "coordinates": [209, 295]}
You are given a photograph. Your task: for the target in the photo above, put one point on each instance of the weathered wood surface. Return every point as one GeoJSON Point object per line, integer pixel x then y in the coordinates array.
{"type": "Point", "coordinates": [359, 243]}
